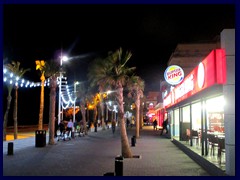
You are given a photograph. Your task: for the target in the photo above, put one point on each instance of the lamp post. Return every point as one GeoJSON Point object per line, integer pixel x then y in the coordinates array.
{"type": "Point", "coordinates": [75, 84]}
{"type": "Point", "coordinates": [62, 58]}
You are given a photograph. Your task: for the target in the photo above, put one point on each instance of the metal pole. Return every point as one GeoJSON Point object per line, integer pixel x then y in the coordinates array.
{"type": "Point", "coordinates": [106, 111]}
{"type": "Point", "coordinates": [60, 90]}
{"type": "Point", "coordinates": [59, 97]}
{"type": "Point", "coordinates": [61, 110]}
{"type": "Point", "coordinates": [74, 102]}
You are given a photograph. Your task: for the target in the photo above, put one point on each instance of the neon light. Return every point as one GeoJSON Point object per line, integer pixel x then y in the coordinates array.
{"type": "Point", "coordinates": [211, 71]}
{"type": "Point", "coordinates": [184, 87]}
{"type": "Point", "coordinates": [200, 75]}
{"type": "Point", "coordinates": [10, 78]}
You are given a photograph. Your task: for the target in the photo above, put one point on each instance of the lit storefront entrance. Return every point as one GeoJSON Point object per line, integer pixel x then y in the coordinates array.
{"type": "Point", "coordinates": [200, 126]}
{"type": "Point", "coordinates": [196, 109]}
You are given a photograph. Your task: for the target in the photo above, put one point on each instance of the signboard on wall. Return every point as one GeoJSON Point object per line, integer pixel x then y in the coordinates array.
{"type": "Point", "coordinates": [174, 74]}
{"type": "Point", "coordinates": [216, 121]}
{"type": "Point", "coordinates": [212, 70]}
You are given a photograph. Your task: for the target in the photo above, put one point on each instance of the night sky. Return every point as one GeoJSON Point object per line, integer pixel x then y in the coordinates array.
{"type": "Point", "coordinates": [150, 32]}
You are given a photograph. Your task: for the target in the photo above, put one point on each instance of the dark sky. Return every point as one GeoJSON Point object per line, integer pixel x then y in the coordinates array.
{"type": "Point", "coordinates": [150, 32]}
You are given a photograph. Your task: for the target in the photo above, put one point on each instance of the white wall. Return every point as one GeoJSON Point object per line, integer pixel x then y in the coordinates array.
{"type": "Point", "coordinates": [228, 43]}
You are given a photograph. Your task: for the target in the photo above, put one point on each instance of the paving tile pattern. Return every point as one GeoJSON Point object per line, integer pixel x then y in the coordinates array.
{"type": "Point", "coordinates": [94, 155]}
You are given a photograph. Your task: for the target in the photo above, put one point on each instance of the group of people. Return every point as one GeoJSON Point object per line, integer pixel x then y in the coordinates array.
{"type": "Point", "coordinates": [164, 126]}
{"type": "Point", "coordinates": [62, 128]}
{"type": "Point", "coordinates": [130, 123]}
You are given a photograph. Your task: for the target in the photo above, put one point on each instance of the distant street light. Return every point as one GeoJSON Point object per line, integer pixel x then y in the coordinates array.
{"type": "Point", "coordinates": [75, 98]}
{"type": "Point", "coordinates": [62, 58]}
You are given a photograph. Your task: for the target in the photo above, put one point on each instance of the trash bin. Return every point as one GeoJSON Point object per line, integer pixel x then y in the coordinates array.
{"type": "Point", "coordinates": [133, 140]}
{"type": "Point", "coordinates": [119, 166]}
{"type": "Point", "coordinates": [10, 148]}
{"type": "Point", "coordinates": [40, 138]}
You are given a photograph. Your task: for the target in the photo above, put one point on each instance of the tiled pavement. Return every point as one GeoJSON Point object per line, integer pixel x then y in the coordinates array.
{"type": "Point", "coordinates": [94, 155]}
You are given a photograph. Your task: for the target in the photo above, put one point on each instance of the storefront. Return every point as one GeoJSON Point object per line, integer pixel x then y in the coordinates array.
{"type": "Point", "coordinates": [196, 106]}
{"type": "Point", "coordinates": [161, 115]}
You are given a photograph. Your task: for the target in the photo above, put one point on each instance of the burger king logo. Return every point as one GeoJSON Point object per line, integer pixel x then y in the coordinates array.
{"type": "Point", "coordinates": [174, 74]}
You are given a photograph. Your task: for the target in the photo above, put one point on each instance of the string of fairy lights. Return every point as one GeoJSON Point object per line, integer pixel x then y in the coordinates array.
{"type": "Point", "coordinates": [66, 95]}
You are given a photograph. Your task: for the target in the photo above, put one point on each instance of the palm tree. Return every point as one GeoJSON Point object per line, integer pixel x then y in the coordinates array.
{"type": "Point", "coordinates": [136, 88]}
{"type": "Point", "coordinates": [98, 104]}
{"type": "Point", "coordinates": [95, 117]}
{"type": "Point", "coordinates": [101, 104]}
{"type": "Point", "coordinates": [82, 94]}
{"type": "Point", "coordinates": [113, 72]}
{"type": "Point", "coordinates": [51, 71]}
{"type": "Point", "coordinates": [41, 66]}
{"type": "Point", "coordinates": [9, 99]}
{"type": "Point", "coordinates": [14, 67]}
{"type": "Point", "coordinates": [98, 68]}
{"type": "Point", "coordinates": [142, 100]}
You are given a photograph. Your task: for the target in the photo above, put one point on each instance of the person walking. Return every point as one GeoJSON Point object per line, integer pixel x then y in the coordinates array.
{"type": "Point", "coordinates": [128, 122]}
{"type": "Point", "coordinates": [69, 127]}
{"type": "Point", "coordinates": [113, 126]}
{"type": "Point", "coordinates": [61, 128]}
{"type": "Point", "coordinates": [56, 127]}
{"type": "Point", "coordinates": [81, 132]}
{"type": "Point", "coordinates": [155, 124]}
{"type": "Point", "coordinates": [165, 123]}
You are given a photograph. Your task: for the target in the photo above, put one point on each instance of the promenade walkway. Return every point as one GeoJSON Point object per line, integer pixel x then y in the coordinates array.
{"type": "Point", "coordinates": [94, 155]}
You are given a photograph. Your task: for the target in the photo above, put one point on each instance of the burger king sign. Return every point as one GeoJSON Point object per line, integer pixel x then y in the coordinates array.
{"type": "Point", "coordinates": [174, 74]}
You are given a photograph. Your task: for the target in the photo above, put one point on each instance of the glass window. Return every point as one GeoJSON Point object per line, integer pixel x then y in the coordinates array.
{"type": "Point", "coordinates": [186, 114]}
{"type": "Point", "coordinates": [196, 116]}
{"type": "Point", "coordinates": [185, 123]}
{"type": "Point", "coordinates": [215, 114]}
{"type": "Point", "coordinates": [176, 122]}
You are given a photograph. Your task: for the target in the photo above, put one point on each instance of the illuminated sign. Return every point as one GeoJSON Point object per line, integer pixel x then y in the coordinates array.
{"type": "Point", "coordinates": [184, 87]}
{"type": "Point", "coordinates": [174, 74]}
{"type": "Point", "coordinates": [211, 71]}
{"type": "Point", "coordinates": [200, 75]}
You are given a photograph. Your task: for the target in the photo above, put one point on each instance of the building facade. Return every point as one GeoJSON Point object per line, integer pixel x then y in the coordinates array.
{"type": "Point", "coordinates": [201, 109]}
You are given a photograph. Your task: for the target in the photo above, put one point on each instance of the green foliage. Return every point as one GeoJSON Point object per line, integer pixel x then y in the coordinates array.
{"type": "Point", "coordinates": [51, 68]}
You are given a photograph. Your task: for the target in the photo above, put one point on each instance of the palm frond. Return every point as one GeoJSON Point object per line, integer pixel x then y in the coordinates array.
{"type": "Point", "coordinates": [14, 68]}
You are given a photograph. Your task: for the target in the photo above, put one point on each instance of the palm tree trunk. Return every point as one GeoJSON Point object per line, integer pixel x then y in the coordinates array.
{"type": "Point", "coordinates": [107, 113]}
{"type": "Point", "coordinates": [9, 99]}
{"type": "Point", "coordinates": [52, 108]}
{"type": "Point", "coordinates": [141, 114]}
{"type": "Point", "coordinates": [95, 118]}
{"type": "Point", "coordinates": [126, 151]}
{"type": "Point", "coordinates": [15, 113]}
{"type": "Point", "coordinates": [87, 118]}
{"type": "Point", "coordinates": [102, 116]}
{"type": "Point", "coordinates": [137, 102]}
{"type": "Point", "coordinates": [40, 122]}
{"type": "Point", "coordinates": [83, 111]}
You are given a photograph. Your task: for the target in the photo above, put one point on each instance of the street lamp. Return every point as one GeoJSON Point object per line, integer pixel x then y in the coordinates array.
{"type": "Point", "coordinates": [62, 58]}
{"type": "Point", "coordinates": [75, 84]}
